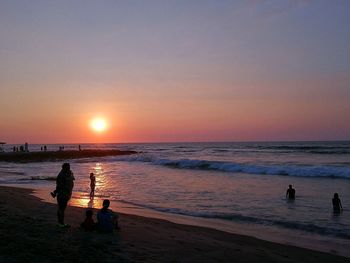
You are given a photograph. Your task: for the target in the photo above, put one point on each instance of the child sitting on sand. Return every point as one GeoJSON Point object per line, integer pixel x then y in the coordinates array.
{"type": "Point", "coordinates": [88, 224]}
{"type": "Point", "coordinates": [107, 220]}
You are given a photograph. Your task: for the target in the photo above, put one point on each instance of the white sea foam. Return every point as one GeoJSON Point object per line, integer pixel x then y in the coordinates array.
{"type": "Point", "coordinates": [270, 169]}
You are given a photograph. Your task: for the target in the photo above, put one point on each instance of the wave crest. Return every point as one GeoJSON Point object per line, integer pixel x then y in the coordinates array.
{"type": "Point", "coordinates": [287, 170]}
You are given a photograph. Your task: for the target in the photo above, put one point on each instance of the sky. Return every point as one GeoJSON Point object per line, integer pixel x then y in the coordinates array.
{"type": "Point", "coordinates": [169, 71]}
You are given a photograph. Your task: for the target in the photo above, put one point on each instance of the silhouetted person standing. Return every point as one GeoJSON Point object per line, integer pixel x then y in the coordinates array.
{"type": "Point", "coordinates": [92, 184]}
{"type": "Point", "coordinates": [290, 194]}
{"type": "Point", "coordinates": [64, 188]}
{"type": "Point", "coordinates": [337, 207]}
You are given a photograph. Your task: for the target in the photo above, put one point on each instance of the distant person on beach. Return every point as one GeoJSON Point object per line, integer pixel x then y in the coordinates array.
{"type": "Point", "coordinates": [290, 194]}
{"type": "Point", "coordinates": [45, 148]}
{"type": "Point", "coordinates": [89, 223]}
{"type": "Point", "coordinates": [107, 220]}
{"type": "Point", "coordinates": [64, 188]}
{"type": "Point", "coordinates": [337, 207]}
{"type": "Point", "coordinates": [92, 184]}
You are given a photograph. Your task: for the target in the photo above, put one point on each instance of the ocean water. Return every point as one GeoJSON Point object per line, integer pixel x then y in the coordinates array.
{"type": "Point", "coordinates": [240, 185]}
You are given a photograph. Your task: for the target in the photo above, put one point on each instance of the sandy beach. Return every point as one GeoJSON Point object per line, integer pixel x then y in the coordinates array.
{"type": "Point", "coordinates": [29, 233]}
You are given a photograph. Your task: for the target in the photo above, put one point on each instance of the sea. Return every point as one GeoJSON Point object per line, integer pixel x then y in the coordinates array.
{"type": "Point", "coordinates": [237, 187]}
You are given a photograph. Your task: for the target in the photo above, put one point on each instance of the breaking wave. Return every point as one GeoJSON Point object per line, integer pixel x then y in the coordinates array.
{"type": "Point", "coordinates": [268, 169]}
{"type": "Point", "coordinates": [45, 178]}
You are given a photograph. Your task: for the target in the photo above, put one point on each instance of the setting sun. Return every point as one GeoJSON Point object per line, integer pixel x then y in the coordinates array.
{"type": "Point", "coordinates": [98, 125]}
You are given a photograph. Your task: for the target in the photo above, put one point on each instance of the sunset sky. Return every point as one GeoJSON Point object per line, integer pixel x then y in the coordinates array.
{"type": "Point", "coordinates": [160, 71]}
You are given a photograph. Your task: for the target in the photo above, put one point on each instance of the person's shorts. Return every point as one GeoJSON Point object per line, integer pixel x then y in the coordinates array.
{"type": "Point", "coordinates": [62, 202]}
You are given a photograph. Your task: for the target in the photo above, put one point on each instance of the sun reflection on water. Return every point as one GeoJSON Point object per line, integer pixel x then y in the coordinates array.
{"type": "Point", "coordinates": [83, 199]}
{"type": "Point", "coordinates": [100, 176]}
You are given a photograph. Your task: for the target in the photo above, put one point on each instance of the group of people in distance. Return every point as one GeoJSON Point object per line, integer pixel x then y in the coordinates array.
{"type": "Point", "coordinates": [107, 220]}
{"type": "Point", "coordinates": [337, 206]}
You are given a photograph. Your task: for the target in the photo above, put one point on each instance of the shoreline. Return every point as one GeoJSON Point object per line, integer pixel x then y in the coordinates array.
{"type": "Point", "coordinates": [141, 238]}
{"type": "Point", "coordinates": [280, 236]}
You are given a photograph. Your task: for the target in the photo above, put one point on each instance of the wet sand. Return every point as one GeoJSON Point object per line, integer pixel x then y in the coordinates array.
{"type": "Point", "coordinates": [29, 233]}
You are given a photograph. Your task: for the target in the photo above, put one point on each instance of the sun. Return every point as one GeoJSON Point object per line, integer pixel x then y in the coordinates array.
{"type": "Point", "coordinates": [98, 125]}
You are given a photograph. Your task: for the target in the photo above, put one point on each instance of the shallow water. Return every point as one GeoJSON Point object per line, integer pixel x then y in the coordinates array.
{"type": "Point", "coordinates": [242, 184]}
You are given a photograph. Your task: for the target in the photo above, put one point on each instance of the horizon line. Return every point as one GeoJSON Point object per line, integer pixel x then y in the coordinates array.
{"type": "Point", "coordinates": [165, 142]}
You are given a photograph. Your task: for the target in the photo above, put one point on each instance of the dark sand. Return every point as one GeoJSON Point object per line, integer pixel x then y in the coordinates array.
{"type": "Point", "coordinates": [29, 234]}
{"type": "Point", "coordinates": [25, 157]}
